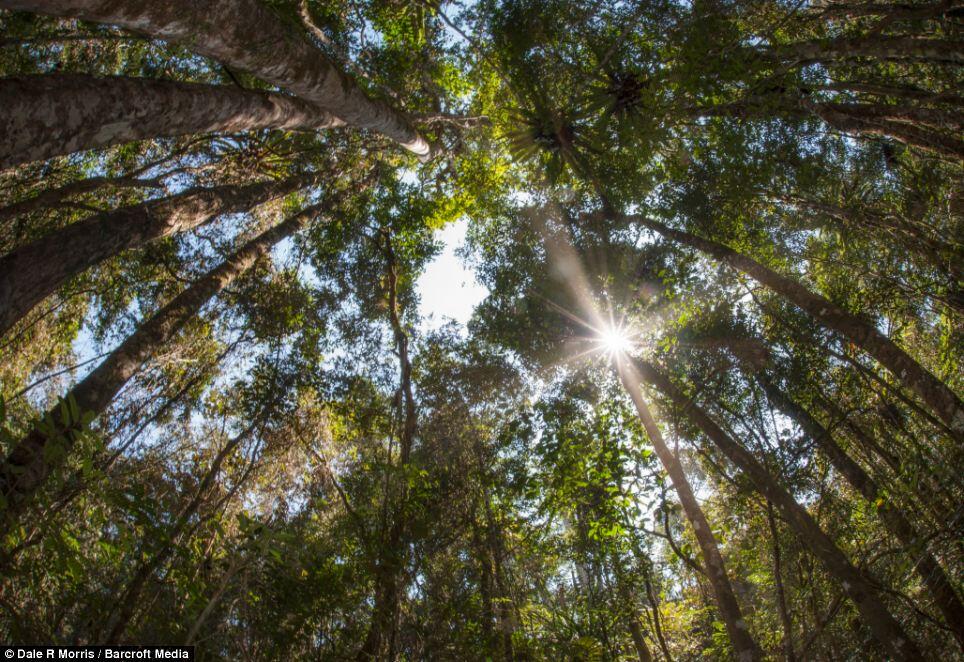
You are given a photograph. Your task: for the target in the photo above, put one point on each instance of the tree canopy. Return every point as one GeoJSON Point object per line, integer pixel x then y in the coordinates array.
{"type": "Point", "coordinates": [710, 407]}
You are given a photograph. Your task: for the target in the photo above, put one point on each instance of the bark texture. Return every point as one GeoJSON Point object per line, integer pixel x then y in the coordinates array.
{"type": "Point", "coordinates": [248, 36]}
{"type": "Point", "coordinates": [55, 114]}
{"type": "Point", "coordinates": [859, 588]}
{"type": "Point", "coordinates": [28, 464]}
{"type": "Point", "coordinates": [932, 391]}
{"type": "Point", "coordinates": [33, 272]}
{"type": "Point", "coordinates": [744, 645]}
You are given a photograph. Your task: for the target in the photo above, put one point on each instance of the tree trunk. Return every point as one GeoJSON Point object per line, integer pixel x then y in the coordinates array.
{"type": "Point", "coordinates": [788, 654]}
{"type": "Point", "coordinates": [934, 393]}
{"type": "Point", "coordinates": [54, 114]}
{"type": "Point", "coordinates": [936, 118]}
{"type": "Point", "coordinates": [914, 49]}
{"type": "Point", "coordinates": [889, 121]}
{"type": "Point", "coordinates": [843, 118]}
{"type": "Point", "coordinates": [906, 92]}
{"type": "Point", "coordinates": [744, 645]}
{"type": "Point", "coordinates": [496, 545]}
{"type": "Point", "coordinates": [928, 569]}
{"type": "Point", "coordinates": [943, 255]}
{"type": "Point", "coordinates": [250, 37]}
{"type": "Point", "coordinates": [33, 272]}
{"type": "Point", "coordinates": [859, 588]}
{"type": "Point", "coordinates": [643, 653]}
{"type": "Point", "coordinates": [390, 564]}
{"type": "Point", "coordinates": [890, 11]}
{"type": "Point", "coordinates": [30, 462]}
{"type": "Point", "coordinates": [654, 606]}
{"type": "Point", "coordinates": [229, 574]}
{"type": "Point", "coordinates": [484, 563]}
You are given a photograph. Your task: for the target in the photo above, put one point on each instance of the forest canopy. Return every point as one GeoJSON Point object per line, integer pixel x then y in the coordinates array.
{"type": "Point", "coordinates": [710, 407]}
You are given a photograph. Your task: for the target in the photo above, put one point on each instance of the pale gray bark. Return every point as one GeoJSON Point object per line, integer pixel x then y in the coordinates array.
{"type": "Point", "coordinates": [248, 36]}
{"type": "Point", "coordinates": [54, 114]}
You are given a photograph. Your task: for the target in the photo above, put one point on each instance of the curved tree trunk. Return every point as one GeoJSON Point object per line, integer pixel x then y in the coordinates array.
{"type": "Point", "coordinates": [30, 462]}
{"type": "Point", "coordinates": [934, 393]}
{"type": "Point", "coordinates": [744, 645]}
{"type": "Point", "coordinates": [859, 588]}
{"type": "Point", "coordinates": [927, 568]}
{"type": "Point", "coordinates": [54, 114]}
{"type": "Point", "coordinates": [248, 36]}
{"type": "Point", "coordinates": [33, 272]}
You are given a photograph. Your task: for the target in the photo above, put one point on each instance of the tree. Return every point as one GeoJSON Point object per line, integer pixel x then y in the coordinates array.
{"type": "Point", "coordinates": [708, 407]}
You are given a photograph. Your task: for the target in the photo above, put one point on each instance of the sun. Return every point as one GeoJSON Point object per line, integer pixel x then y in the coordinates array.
{"type": "Point", "coordinates": [615, 341]}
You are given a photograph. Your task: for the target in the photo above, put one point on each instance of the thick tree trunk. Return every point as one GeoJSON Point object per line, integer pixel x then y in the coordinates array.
{"type": "Point", "coordinates": [33, 272]}
{"type": "Point", "coordinates": [744, 645]}
{"type": "Point", "coordinates": [383, 614]}
{"type": "Point", "coordinates": [643, 654]}
{"type": "Point", "coordinates": [934, 393]}
{"type": "Point", "coordinates": [29, 463]}
{"type": "Point", "coordinates": [928, 569]}
{"type": "Point", "coordinates": [860, 589]}
{"type": "Point", "coordinates": [54, 114]}
{"type": "Point", "coordinates": [250, 37]}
